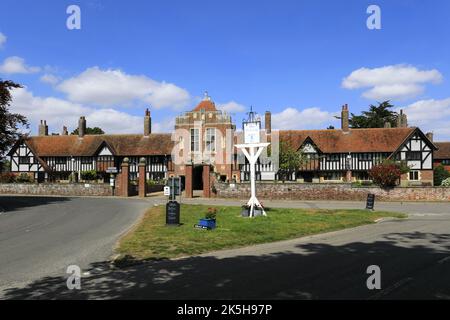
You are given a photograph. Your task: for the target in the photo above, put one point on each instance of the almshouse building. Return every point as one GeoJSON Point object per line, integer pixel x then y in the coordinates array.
{"type": "Point", "coordinates": [201, 150]}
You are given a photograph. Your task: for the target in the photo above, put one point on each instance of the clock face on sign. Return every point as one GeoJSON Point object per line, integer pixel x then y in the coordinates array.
{"type": "Point", "coordinates": [251, 132]}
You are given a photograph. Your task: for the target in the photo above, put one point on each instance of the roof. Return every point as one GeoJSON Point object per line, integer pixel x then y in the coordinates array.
{"type": "Point", "coordinates": [355, 140]}
{"type": "Point", "coordinates": [206, 105]}
{"type": "Point", "coordinates": [120, 145]}
{"type": "Point", "coordinates": [444, 150]}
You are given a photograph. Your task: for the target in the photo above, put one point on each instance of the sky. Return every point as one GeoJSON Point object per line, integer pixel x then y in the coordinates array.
{"type": "Point", "coordinates": [300, 59]}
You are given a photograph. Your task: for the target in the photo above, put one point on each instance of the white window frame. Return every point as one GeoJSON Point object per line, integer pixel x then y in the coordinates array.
{"type": "Point", "coordinates": [414, 172]}
{"type": "Point", "coordinates": [210, 140]}
{"type": "Point", "coordinates": [195, 139]}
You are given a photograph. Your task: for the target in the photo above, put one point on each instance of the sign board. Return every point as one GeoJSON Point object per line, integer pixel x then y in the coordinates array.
{"type": "Point", "coordinates": [251, 132]}
{"type": "Point", "coordinates": [172, 213]}
{"type": "Point", "coordinates": [112, 170]}
{"type": "Point", "coordinates": [111, 182]}
{"type": "Point", "coordinates": [370, 201]}
{"type": "Point", "coordinates": [167, 191]}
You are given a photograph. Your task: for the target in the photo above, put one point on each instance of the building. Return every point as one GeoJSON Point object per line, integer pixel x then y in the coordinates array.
{"type": "Point", "coordinates": [442, 155]}
{"type": "Point", "coordinates": [201, 150]}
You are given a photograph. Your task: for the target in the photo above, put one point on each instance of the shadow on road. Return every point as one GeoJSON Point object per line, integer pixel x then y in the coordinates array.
{"type": "Point", "coordinates": [12, 203]}
{"type": "Point", "coordinates": [410, 269]}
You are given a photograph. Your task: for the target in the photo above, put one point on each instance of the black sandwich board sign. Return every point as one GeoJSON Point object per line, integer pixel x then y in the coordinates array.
{"type": "Point", "coordinates": [370, 201]}
{"type": "Point", "coordinates": [172, 213]}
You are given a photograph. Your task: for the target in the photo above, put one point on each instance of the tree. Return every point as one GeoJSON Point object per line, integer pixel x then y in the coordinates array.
{"type": "Point", "coordinates": [290, 160]}
{"type": "Point", "coordinates": [376, 117]}
{"type": "Point", "coordinates": [10, 123]}
{"type": "Point", "coordinates": [95, 130]}
{"type": "Point", "coordinates": [440, 174]}
{"type": "Point", "coordinates": [388, 173]}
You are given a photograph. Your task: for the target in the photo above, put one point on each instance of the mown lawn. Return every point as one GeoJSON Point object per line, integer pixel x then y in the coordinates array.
{"type": "Point", "coordinates": [152, 239]}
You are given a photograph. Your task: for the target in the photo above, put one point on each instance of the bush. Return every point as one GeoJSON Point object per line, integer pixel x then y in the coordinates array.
{"type": "Point", "coordinates": [446, 183]}
{"type": "Point", "coordinates": [89, 175]}
{"type": "Point", "coordinates": [23, 178]}
{"type": "Point", "coordinates": [440, 174]}
{"type": "Point", "coordinates": [7, 177]}
{"type": "Point", "coordinates": [387, 174]}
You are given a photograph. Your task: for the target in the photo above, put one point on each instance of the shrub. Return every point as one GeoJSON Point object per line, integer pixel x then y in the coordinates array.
{"type": "Point", "coordinates": [23, 178]}
{"type": "Point", "coordinates": [386, 174]}
{"type": "Point", "coordinates": [211, 214]}
{"type": "Point", "coordinates": [440, 174]}
{"type": "Point", "coordinates": [446, 183]}
{"type": "Point", "coordinates": [7, 177]}
{"type": "Point", "coordinates": [89, 175]}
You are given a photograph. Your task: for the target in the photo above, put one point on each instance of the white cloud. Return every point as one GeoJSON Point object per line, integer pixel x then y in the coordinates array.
{"type": "Point", "coordinates": [231, 106]}
{"type": "Point", "coordinates": [113, 87]}
{"type": "Point", "coordinates": [15, 64]}
{"type": "Point", "coordinates": [431, 115]}
{"type": "Point", "coordinates": [50, 79]}
{"type": "Point", "coordinates": [2, 40]}
{"type": "Point", "coordinates": [310, 118]}
{"type": "Point", "coordinates": [59, 113]}
{"type": "Point", "coordinates": [396, 82]}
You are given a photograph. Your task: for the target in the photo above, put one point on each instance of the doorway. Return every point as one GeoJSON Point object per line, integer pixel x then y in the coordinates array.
{"type": "Point", "coordinates": [197, 178]}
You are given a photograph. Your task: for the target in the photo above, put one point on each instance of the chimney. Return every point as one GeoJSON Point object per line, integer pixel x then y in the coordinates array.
{"type": "Point", "coordinates": [43, 128]}
{"type": "Point", "coordinates": [430, 136]}
{"type": "Point", "coordinates": [404, 121]}
{"type": "Point", "coordinates": [82, 127]}
{"type": "Point", "coordinates": [344, 118]}
{"type": "Point", "coordinates": [268, 122]}
{"type": "Point", "coordinates": [387, 125]}
{"type": "Point", "coordinates": [147, 123]}
{"type": "Point", "coordinates": [65, 132]}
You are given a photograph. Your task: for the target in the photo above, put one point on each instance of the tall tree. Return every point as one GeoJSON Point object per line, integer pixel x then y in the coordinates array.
{"type": "Point", "coordinates": [10, 123]}
{"type": "Point", "coordinates": [376, 117]}
{"type": "Point", "coordinates": [89, 130]}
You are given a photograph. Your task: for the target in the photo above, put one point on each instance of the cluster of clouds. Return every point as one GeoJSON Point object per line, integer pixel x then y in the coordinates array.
{"type": "Point", "coordinates": [106, 97]}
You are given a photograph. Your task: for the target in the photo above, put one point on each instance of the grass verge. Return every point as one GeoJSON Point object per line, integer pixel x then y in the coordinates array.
{"type": "Point", "coordinates": [151, 239]}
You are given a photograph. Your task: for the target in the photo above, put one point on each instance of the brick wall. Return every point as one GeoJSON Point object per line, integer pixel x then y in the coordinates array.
{"type": "Point", "coordinates": [297, 191]}
{"type": "Point", "coordinates": [78, 189]}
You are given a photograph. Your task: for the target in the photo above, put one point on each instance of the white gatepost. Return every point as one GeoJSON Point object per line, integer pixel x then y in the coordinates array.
{"type": "Point", "coordinates": [252, 155]}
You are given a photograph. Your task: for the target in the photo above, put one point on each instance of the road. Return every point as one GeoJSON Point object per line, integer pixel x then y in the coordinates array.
{"type": "Point", "coordinates": [413, 255]}
{"type": "Point", "coordinates": [41, 236]}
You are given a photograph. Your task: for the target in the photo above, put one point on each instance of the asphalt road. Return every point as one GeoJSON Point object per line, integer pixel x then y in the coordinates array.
{"type": "Point", "coordinates": [413, 255]}
{"type": "Point", "coordinates": [41, 236]}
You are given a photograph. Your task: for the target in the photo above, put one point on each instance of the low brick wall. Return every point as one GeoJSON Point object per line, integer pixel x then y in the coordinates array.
{"type": "Point", "coordinates": [298, 191]}
{"type": "Point", "coordinates": [78, 189]}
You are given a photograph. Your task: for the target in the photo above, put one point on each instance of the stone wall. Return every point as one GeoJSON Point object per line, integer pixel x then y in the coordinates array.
{"type": "Point", "coordinates": [59, 189]}
{"type": "Point", "coordinates": [298, 191]}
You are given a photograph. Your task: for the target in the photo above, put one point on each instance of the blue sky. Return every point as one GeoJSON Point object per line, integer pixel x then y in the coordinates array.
{"type": "Point", "coordinates": [300, 59]}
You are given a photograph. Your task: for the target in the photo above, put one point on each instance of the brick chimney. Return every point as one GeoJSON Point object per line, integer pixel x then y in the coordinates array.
{"type": "Point", "coordinates": [429, 136]}
{"type": "Point", "coordinates": [268, 122]}
{"type": "Point", "coordinates": [65, 132]}
{"type": "Point", "coordinates": [82, 127]}
{"type": "Point", "coordinates": [43, 128]}
{"type": "Point", "coordinates": [345, 118]}
{"type": "Point", "coordinates": [147, 123]}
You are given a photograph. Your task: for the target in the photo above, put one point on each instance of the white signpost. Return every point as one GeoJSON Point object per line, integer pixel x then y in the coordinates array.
{"type": "Point", "coordinates": [252, 149]}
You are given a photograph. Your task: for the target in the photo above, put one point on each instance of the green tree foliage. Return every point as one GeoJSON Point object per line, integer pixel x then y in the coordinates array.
{"type": "Point", "coordinates": [446, 183]}
{"type": "Point", "coordinates": [290, 160]}
{"type": "Point", "coordinates": [376, 117]}
{"type": "Point", "coordinates": [10, 123]}
{"type": "Point", "coordinates": [440, 174]}
{"type": "Point", "coordinates": [388, 173]}
{"type": "Point", "coordinates": [89, 175]}
{"type": "Point", "coordinates": [89, 131]}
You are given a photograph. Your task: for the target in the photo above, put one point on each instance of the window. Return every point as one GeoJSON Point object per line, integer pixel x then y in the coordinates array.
{"type": "Point", "coordinates": [413, 155]}
{"type": "Point", "coordinates": [24, 160]}
{"type": "Point", "coordinates": [446, 162]}
{"type": "Point", "coordinates": [333, 176]}
{"type": "Point", "coordinates": [195, 140]}
{"type": "Point", "coordinates": [365, 157]}
{"type": "Point", "coordinates": [60, 160]}
{"type": "Point", "coordinates": [86, 160]}
{"type": "Point", "coordinates": [414, 175]}
{"type": "Point", "coordinates": [210, 139]}
{"type": "Point", "coordinates": [333, 157]}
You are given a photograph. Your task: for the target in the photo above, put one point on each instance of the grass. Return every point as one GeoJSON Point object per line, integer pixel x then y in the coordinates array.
{"type": "Point", "coordinates": [151, 239]}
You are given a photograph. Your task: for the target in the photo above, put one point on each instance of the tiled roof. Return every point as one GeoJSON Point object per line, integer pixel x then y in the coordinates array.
{"type": "Point", "coordinates": [356, 140]}
{"type": "Point", "coordinates": [444, 150]}
{"type": "Point", "coordinates": [121, 145]}
{"type": "Point", "coordinates": [206, 105]}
